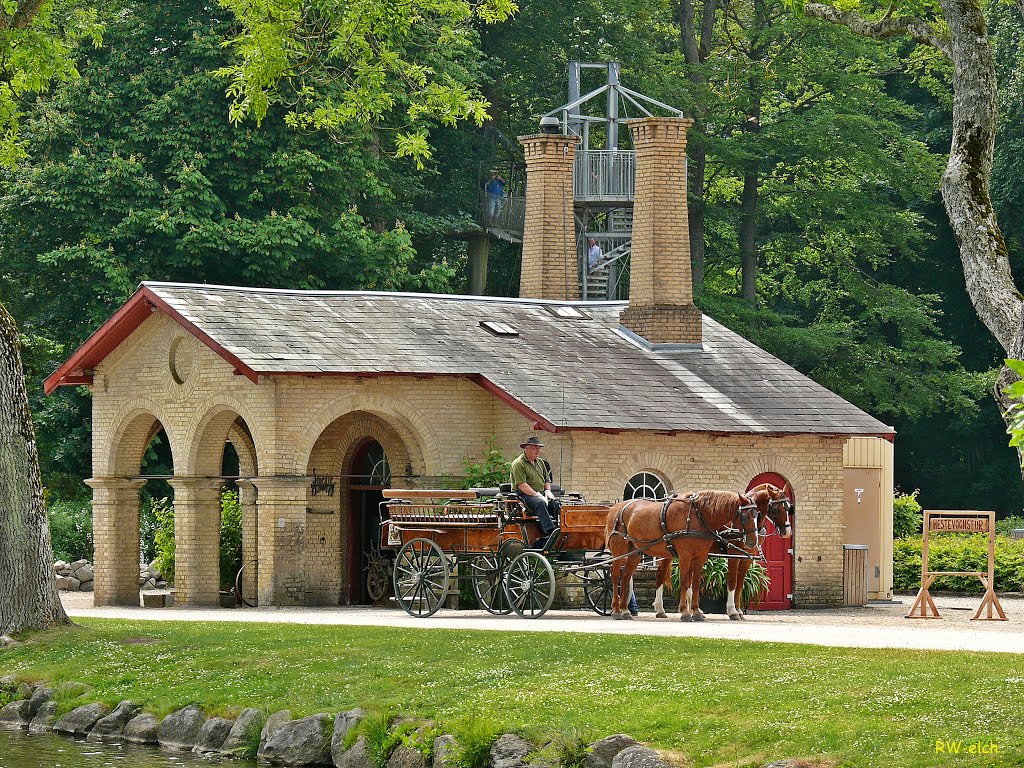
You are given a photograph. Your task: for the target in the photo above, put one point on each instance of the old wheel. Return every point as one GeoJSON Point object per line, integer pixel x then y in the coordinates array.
{"type": "Point", "coordinates": [530, 585]}
{"type": "Point", "coordinates": [597, 588]}
{"type": "Point", "coordinates": [376, 575]}
{"type": "Point", "coordinates": [421, 577]}
{"type": "Point", "coordinates": [489, 584]}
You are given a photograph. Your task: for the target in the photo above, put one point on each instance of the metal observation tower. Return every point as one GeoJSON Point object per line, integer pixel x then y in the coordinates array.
{"type": "Point", "coordinates": [603, 178]}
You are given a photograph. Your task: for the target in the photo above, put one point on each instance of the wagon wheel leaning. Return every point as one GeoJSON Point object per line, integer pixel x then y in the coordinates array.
{"type": "Point", "coordinates": [597, 588]}
{"type": "Point", "coordinates": [376, 575]}
{"type": "Point", "coordinates": [489, 583]}
{"type": "Point", "coordinates": [530, 585]}
{"type": "Point", "coordinates": [421, 577]}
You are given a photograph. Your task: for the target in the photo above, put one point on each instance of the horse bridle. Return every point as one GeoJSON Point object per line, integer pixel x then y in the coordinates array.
{"type": "Point", "coordinates": [789, 509]}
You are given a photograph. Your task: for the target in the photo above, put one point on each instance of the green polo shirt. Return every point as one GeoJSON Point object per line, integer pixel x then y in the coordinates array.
{"type": "Point", "coordinates": [536, 474]}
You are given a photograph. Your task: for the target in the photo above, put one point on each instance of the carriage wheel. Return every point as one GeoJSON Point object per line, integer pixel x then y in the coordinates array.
{"type": "Point", "coordinates": [489, 584]}
{"type": "Point", "coordinates": [377, 576]}
{"type": "Point", "coordinates": [509, 550]}
{"type": "Point", "coordinates": [530, 585]}
{"type": "Point", "coordinates": [421, 577]}
{"type": "Point", "coordinates": [597, 588]}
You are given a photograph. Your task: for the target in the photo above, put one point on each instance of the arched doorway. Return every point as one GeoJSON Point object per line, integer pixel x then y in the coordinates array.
{"type": "Point", "coordinates": [370, 474]}
{"type": "Point", "coordinates": [778, 553]}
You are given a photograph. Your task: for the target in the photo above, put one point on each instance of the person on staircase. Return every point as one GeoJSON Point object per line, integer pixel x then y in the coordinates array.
{"type": "Point", "coordinates": [594, 254]}
{"type": "Point", "coordinates": [531, 477]}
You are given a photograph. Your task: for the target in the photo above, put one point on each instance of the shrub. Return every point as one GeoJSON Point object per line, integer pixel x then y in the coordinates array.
{"type": "Point", "coordinates": [491, 472]}
{"type": "Point", "coordinates": [906, 515]}
{"type": "Point", "coordinates": [474, 739]}
{"type": "Point", "coordinates": [163, 537]}
{"type": "Point", "coordinates": [1008, 524]}
{"type": "Point", "coordinates": [954, 552]}
{"type": "Point", "coordinates": [230, 538]}
{"type": "Point", "coordinates": [71, 530]}
{"type": "Point", "coordinates": [715, 580]}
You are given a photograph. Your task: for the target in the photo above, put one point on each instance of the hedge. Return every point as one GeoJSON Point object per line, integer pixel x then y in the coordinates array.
{"type": "Point", "coordinates": [954, 552]}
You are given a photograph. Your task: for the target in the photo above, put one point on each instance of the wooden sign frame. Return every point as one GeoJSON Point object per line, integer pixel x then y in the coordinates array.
{"type": "Point", "coordinates": [958, 521]}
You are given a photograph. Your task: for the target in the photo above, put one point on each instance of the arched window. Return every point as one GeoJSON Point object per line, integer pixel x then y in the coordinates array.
{"type": "Point", "coordinates": [645, 485]}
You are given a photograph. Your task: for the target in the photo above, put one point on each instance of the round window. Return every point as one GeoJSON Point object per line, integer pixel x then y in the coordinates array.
{"type": "Point", "coordinates": [645, 485]}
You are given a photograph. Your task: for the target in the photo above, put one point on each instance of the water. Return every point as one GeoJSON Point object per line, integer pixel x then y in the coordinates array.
{"type": "Point", "coordinates": [21, 750]}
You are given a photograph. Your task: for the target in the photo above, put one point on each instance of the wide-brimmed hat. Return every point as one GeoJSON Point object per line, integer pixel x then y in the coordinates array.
{"type": "Point", "coordinates": [532, 441]}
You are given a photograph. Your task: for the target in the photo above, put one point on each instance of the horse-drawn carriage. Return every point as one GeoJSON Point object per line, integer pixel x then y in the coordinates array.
{"type": "Point", "coordinates": [442, 537]}
{"type": "Point", "coordinates": [484, 536]}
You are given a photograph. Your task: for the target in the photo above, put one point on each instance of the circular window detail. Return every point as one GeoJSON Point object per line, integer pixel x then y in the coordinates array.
{"type": "Point", "coordinates": [645, 485]}
{"type": "Point", "coordinates": [181, 360]}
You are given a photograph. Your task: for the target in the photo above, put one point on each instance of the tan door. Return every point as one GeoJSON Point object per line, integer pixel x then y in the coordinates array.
{"type": "Point", "coordinates": [862, 502]}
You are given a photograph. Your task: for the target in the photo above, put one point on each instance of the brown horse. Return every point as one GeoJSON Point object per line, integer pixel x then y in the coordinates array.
{"type": "Point", "coordinates": [684, 528]}
{"type": "Point", "coordinates": [772, 504]}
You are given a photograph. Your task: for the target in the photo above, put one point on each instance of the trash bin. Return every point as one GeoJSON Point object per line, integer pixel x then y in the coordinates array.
{"type": "Point", "coordinates": [855, 574]}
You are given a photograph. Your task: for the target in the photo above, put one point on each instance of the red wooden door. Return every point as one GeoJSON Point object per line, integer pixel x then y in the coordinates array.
{"type": "Point", "coordinates": [779, 555]}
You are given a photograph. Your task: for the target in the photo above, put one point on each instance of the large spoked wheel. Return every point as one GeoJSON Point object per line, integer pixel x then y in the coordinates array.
{"type": "Point", "coordinates": [530, 585]}
{"type": "Point", "coordinates": [421, 577]}
{"type": "Point", "coordinates": [597, 588]}
{"type": "Point", "coordinates": [376, 576]}
{"type": "Point", "coordinates": [489, 584]}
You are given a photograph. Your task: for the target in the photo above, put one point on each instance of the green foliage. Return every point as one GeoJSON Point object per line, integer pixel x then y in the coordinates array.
{"type": "Point", "coordinates": [361, 63]}
{"type": "Point", "coordinates": [959, 552]}
{"type": "Point", "coordinates": [715, 581]}
{"type": "Point", "coordinates": [906, 515]}
{"type": "Point", "coordinates": [381, 740]}
{"type": "Point", "coordinates": [71, 530]}
{"type": "Point", "coordinates": [230, 538]}
{"type": "Point", "coordinates": [1015, 413]}
{"type": "Point", "coordinates": [163, 511]}
{"type": "Point", "coordinates": [491, 472]}
{"type": "Point", "coordinates": [474, 738]}
{"type": "Point", "coordinates": [1008, 524]}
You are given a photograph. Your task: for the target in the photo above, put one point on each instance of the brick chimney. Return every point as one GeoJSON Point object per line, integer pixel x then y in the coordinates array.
{"type": "Point", "coordinates": [661, 308]}
{"type": "Point", "coordinates": [549, 241]}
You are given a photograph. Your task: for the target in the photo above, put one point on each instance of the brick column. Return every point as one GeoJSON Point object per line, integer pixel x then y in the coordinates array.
{"type": "Point", "coordinates": [661, 307]}
{"type": "Point", "coordinates": [115, 530]}
{"type": "Point", "coordinates": [549, 267]}
{"type": "Point", "coordinates": [250, 538]}
{"type": "Point", "coordinates": [281, 507]}
{"type": "Point", "coordinates": [196, 541]}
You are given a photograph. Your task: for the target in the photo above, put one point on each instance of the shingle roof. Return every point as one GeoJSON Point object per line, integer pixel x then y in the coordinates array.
{"type": "Point", "coordinates": [573, 373]}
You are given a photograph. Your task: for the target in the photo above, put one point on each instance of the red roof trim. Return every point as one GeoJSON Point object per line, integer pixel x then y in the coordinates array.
{"type": "Point", "coordinates": [539, 422]}
{"type": "Point", "coordinates": [78, 368]}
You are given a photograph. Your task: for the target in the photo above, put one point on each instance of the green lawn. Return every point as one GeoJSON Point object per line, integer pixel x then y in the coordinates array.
{"type": "Point", "coordinates": [716, 702]}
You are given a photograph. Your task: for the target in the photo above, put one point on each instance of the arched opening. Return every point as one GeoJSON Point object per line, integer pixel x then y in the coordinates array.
{"type": "Point", "coordinates": [645, 485]}
{"type": "Point", "coordinates": [370, 474]}
{"type": "Point", "coordinates": [778, 553]}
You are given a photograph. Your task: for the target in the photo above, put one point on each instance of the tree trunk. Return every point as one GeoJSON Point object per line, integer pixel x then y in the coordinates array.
{"type": "Point", "coordinates": [28, 595]}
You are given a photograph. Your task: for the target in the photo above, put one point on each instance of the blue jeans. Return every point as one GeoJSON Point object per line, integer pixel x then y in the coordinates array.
{"type": "Point", "coordinates": [633, 607]}
{"type": "Point", "coordinates": [542, 510]}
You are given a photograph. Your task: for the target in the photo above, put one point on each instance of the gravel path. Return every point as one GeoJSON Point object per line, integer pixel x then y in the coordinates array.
{"type": "Point", "coordinates": [876, 626]}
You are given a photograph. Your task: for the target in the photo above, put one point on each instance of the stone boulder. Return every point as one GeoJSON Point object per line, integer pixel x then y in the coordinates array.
{"type": "Point", "coordinates": [142, 729]}
{"type": "Point", "coordinates": [44, 719]}
{"type": "Point", "coordinates": [85, 574]}
{"type": "Point", "coordinates": [242, 732]}
{"type": "Point", "coordinates": [87, 586]}
{"type": "Point", "coordinates": [300, 742]}
{"type": "Point", "coordinates": [180, 729]}
{"type": "Point", "coordinates": [67, 583]}
{"type": "Point", "coordinates": [601, 753]}
{"type": "Point", "coordinates": [274, 722]}
{"type": "Point", "coordinates": [79, 721]}
{"type": "Point", "coordinates": [16, 715]}
{"type": "Point", "coordinates": [510, 751]}
{"type": "Point", "coordinates": [9, 683]}
{"type": "Point", "coordinates": [357, 756]}
{"type": "Point", "coordinates": [445, 752]}
{"type": "Point", "coordinates": [406, 757]}
{"type": "Point", "coordinates": [212, 735]}
{"type": "Point", "coordinates": [112, 726]}
{"type": "Point", "coordinates": [6, 641]}
{"type": "Point", "coordinates": [40, 696]}
{"type": "Point", "coordinates": [343, 723]}
{"type": "Point", "coordinates": [77, 564]}
{"type": "Point", "coordinates": [639, 757]}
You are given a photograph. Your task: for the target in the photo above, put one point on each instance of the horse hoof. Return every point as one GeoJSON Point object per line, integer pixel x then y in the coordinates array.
{"type": "Point", "coordinates": [698, 617]}
{"type": "Point", "coordinates": [618, 616]}
{"type": "Point", "coordinates": [662, 615]}
{"type": "Point", "coordinates": [735, 616]}
{"type": "Point", "coordinates": [684, 617]}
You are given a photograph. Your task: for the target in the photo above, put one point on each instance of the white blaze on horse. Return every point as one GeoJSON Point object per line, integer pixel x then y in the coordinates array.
{"type": "Point", "coordinates": [683, 528]}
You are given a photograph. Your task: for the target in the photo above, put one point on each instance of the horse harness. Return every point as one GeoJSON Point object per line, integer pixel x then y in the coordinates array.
{"type": "Point", "coordinates": [725, 538]}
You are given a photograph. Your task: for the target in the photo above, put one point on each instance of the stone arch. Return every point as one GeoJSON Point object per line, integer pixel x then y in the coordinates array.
{"type": "Point", "coordinates": [132, 428]}
{"type": "Point", "coordinates": [649, 461]}
{"type": "Point", "coordinates": [770, 462]}
{"type": "Point", "coordinates": [413, 431]}
{"type": "Point", "coordinates": [218, 421]}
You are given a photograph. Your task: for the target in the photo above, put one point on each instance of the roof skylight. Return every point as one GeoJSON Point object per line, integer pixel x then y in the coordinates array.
{"type": "Point", "coordinates": [499, 329]}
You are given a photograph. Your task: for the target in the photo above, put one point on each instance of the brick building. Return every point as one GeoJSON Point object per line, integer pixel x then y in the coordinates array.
{"type": "Point", "coordinates": [364, 389]}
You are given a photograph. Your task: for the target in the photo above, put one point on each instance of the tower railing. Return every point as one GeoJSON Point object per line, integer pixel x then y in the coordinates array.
{"type": "Point", "coordinates": [504, 217]}
{"type": "Point", "coordinates": [602, 175]}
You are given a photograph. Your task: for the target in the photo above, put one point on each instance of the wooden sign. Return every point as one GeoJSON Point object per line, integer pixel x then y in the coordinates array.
{"type": "Point", "coordinates": [958, 521]}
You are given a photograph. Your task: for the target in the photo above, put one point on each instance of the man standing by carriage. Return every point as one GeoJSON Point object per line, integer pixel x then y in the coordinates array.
{"type": "Point", "coordinates": [531, 477]}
